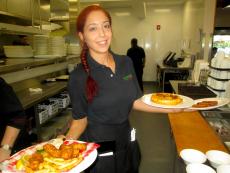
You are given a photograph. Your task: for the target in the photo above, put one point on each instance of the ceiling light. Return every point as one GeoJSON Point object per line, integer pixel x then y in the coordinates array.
{"type": "Point", "coordinates": [72, 0]}
{"type": "Point", "coordinates": [162, 10]}
{"type": "Point", "coordinates": [122, 14]}
{"type": "Point", "coordinates": [45, 7]}
{"type": "Point", "coordinates": [73, 9]}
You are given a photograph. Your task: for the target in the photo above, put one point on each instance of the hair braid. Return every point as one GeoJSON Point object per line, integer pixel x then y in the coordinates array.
{"type": "Point", "coordinates": [91, 85]}
{"type": "Point", "coordinates": [83, 58]}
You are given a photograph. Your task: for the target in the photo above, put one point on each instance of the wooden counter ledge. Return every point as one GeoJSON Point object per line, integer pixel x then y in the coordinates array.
{"type": "Point", "coordinates": [190, 130]}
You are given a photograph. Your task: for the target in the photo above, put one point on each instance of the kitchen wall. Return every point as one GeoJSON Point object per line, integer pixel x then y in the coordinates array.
{"type": "Point", "coordinates": [193, 25]}
{"type": "Point", "coordinates": [155, 42]}
{"type": "Point", "coordinates": [179, 24]}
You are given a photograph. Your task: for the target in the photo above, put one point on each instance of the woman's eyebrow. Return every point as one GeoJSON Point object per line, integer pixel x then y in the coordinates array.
{"type": "Point", "coordinates": [97, 23]}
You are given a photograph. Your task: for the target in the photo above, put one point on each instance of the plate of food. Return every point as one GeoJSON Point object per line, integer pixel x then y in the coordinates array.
{"type": "Point", "coordinates": [209, 103]}
{"type": "Point", "coordinates": [55, 156]}
{"type": "Point", "coordinates": [167, 100]}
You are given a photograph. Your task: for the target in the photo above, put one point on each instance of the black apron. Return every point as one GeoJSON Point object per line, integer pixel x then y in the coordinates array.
{"type": "Point", "coordinates": [119, 162]}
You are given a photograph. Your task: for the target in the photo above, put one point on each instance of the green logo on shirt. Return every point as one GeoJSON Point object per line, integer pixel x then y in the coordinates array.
{"type": "Point", "coordinates": [128, 77]}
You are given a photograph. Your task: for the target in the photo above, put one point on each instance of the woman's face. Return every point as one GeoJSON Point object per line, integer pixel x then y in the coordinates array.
{"type": "Point", "coordinates": [97, 33]}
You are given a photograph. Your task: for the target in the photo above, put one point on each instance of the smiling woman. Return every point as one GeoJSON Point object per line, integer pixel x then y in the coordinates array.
{"type": "Point", "coordinates": [103, 90]}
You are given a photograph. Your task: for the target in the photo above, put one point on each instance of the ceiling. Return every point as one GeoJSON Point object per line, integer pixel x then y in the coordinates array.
{"type": "Point", "coordinates": [137, 5]}
{"type": "Point", "coordinates": [128, 3]}
{"type": "Point", "coordinates": [222, 3]}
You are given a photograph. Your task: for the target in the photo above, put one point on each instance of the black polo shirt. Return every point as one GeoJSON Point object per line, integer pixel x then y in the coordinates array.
{"type": "Point", "coordinates": [117, 91]}
{"type": "Point", "coordinates": [11, 110]}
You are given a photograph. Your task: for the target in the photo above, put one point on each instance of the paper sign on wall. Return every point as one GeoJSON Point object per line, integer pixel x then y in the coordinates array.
{"type": "Point", "coordinates": [158, 27]}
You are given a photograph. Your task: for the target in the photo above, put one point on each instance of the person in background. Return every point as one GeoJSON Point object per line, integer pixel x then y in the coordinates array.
{"type": "Point", "coordinates": [22, 40]}
{"type": "Point", "coordinates": [12, 119]}
{"type": "Point", "coordinates": [103, 89]}
{"type": "Point", "coordinates": [137, 54]}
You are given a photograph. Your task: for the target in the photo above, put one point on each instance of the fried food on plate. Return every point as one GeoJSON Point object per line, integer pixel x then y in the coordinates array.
{"type": "Point", "coordinates": [166, 98]}
{"type": "Point", "coordinates": [52, 150]}
{"type": "Point", "coordinates": [52, 159]}
{"type": "Point", "coordinates": [204, 104]}
{"type": "Point", "coordinates": [35, 160]}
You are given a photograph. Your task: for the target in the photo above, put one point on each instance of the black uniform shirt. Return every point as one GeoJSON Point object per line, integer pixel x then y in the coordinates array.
{"type": "Point", "coordinates": [11, 110]}
{"type": "Point", "coordinates": [117, 91]}
{"type": "Point", "coordinates": [137, 54]}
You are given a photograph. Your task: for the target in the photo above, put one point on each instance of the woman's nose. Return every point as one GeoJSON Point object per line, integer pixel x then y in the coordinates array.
{"type": "Point", "coordinates": [102, 32]}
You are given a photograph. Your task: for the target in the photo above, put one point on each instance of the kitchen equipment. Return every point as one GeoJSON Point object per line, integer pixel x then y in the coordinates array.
{"type": "Point", "coordinates": [199, 64]}
{"type": "Point", "coordinates": [195, 91]}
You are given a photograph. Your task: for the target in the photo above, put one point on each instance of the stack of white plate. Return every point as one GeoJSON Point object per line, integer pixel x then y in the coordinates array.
{"type": "Point", "coordinates": [57, 46]}
{"type": "Point", "coordinates": [73, 49]}
{"type": "Point", "coordinates": [40, 44]}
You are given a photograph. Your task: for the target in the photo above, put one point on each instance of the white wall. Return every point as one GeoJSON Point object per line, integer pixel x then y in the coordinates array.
{"type": "Point", "coordinates": [192, 25]}
{"type": "Point", "coordinates": [155, 42]}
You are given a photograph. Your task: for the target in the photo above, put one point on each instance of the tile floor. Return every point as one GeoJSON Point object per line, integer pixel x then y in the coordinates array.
{"type": "Point", "coordinates": [153, 134]}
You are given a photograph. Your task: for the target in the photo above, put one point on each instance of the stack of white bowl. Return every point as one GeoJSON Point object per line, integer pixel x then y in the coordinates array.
{"type": "Point", "coordinates": [218, 158]}
{"type": "Point", "coordinates": [18, 51]}
{"type": "Point", "coordinates": [40, 44]}
{"type": "Point", "coordinates": [223, 169]}
{"type": "Point", "coordinates": [195, 161]}
{"type": "Point", "coordinates": [57, 46]}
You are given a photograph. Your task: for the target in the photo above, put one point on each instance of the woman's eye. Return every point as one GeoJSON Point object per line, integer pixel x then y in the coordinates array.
{"type": "Point", "coordinates": [92, 28]}
{"type": "Point", "coordinates": [107, 26]}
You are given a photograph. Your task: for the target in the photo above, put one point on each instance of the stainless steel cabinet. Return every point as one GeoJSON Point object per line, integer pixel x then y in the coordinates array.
{"type": "Point", "coordinates": [26, 9]}
{"type": "Point", "coordinates": [3, 5]}
{"type": "Point", "coordinates": [20, 8]}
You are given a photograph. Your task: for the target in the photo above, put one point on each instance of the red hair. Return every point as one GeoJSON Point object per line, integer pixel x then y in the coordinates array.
{"type": "Point", "coordinates": [91, 84]}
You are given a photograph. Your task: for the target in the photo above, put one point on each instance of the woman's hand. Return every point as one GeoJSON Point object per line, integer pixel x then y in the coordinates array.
{"type": "Point", "coordinates": [189, 110]}
{"type": "Point", "coordinates": [63, 137]}
{"type": "Point", "coordinates": [174, 110]}
{"type": "Point", "coordinates": [4, 154]}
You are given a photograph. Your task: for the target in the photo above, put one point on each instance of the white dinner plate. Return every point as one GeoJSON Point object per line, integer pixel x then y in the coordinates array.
{"type": "Point", "coordinates": [221, 102]}
{"type": "Point", "coordinates": [187, 102]}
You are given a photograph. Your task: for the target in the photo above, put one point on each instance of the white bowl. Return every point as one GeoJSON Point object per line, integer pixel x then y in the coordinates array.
{"type": "Point", "coordinates": [18, 51]}
{"type": "Point", "coordinates": [217, 158]}
{"type": "Point", "coordinates": [199, 168]}
{"type": "Point", "coordinates": [223, 169]}
{"type": "Point", "coordinates": [192, 156]}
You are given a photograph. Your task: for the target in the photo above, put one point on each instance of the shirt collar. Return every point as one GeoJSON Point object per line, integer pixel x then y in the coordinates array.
{"type": "Point", "coordinates": [94, 64]}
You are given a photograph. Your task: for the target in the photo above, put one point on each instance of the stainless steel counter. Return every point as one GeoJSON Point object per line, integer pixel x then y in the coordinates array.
{"type": "Point", "coordinates": [13, 64]}
{"type": "Point", "coordinates": [29, 99]}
